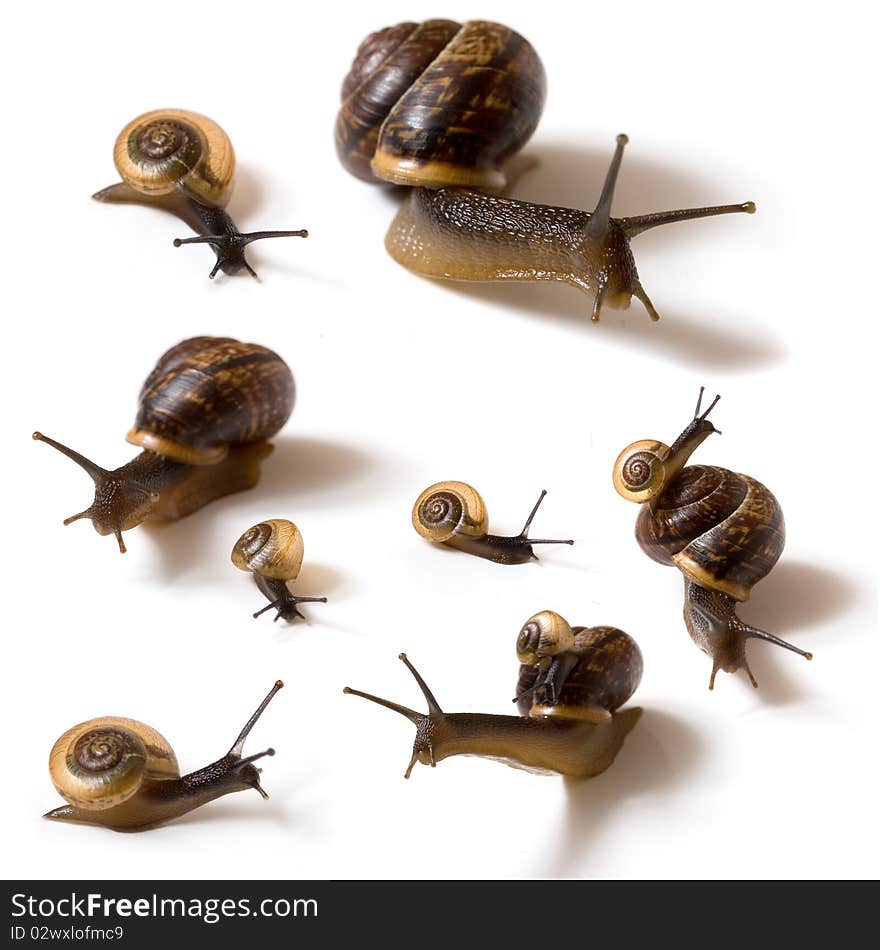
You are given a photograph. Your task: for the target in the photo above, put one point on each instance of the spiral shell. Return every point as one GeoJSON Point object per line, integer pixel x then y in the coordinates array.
{"type": "Point", "coordinates": [161, 151]}
{"type": "Point", "coordinates": [723, 530]}
{"type": "Point", "coordinates": [608, 672]}
{"type": "Point", "coordinates": [450, 508]}
{"type": "Point", "coordinates": [640, 470]}
{"type": "Point", "coordinates": [271, 548]}
{"type": "Point", "coordinates": [439, 103]}
{"type": "Point", "coordinates": [545, 634]}
{"type": "Point", "coordinates": [103, 762]}
{"type": "Point", "coordinates": [208, 393]}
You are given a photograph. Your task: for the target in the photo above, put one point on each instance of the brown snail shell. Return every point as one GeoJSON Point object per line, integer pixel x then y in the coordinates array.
{"type": "Point", "coordinates": [723, 530]}
{"type": "Point", "coordinates": [103, 762]}
{"type": "Point", "coordinates": [439, 103]}
{"type": "Point", "coordinates": [607, 672]}
{"type": "Point", "coordinates": [208, 393]}
{"type": "Point", "coordinates": [272, 548]}
{"type": "Point", "coordinates": [450, 508]}
{"type": "Point", "coordinates": [169, 149]}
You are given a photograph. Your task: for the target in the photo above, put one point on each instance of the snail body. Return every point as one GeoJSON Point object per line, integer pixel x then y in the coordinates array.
{"type": "Point", "coordinates": [441, 107]}
{"type": "Point", "coordinates": [123, 774]}
{"type": "Point", "coordinates": [184, 163]}
{"type": "Point", "coordinates": [273, 552]}
{"type": "Point", "coordinates": [570, 698]}
{"type": "Point", "coordinates": [204, 418]}
{"type": "Point", "coordinates": [454, 513]}
{"type": "Point", "coordinates": [724, 531]}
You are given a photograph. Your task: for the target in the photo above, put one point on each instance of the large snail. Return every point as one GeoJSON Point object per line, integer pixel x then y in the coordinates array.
{"type": "Point", "coordinates": [572, 683]}
{"type": "Point", "coordinates": [453, 513]}
{"type": "Point", "coordinates": [724, 532]}
{"type": "Point", "coordinates": [204, 417]}
{"type": "Point", "coordinates": [122, 774]}
{"type": "Point", "coordinates": [442, 106]}
{"type": "Point", "coordinates": [184, 163]}
{"type": "Point", "coordinates": [273, 552]}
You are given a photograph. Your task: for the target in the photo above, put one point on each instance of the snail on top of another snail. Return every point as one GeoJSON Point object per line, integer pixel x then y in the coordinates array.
{"type": "Point", "coordinates": [454, 513]}
{"type": "Point", "coordinates": [122, 774]}
{"type": "Point", "coordinates": [273, 552]}
{"type": "Point", "coordinates": [724, 532]}
{"type": "Point", "coordinates": [205, 415]}
{"type": "Point", "coordinates": [183, 162]}
{"type": "Point", "coordinates": [442, 106]}
{"type": "Point", "coordinates": [572, 683]}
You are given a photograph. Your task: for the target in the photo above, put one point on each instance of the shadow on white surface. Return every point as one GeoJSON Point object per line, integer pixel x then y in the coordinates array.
{"type": "Point", "coordinates": [657, 756]}
{"type": "Point", "coordinates": [688, 340]}
{"type": "Point", "coordinates": [797, 595]}
{"type": "Point", "coordinates": [304, 465]}
{"type": "Point", "coordinates": [263, 812]}
{"type": "Point", "coordinates": [298, 467]}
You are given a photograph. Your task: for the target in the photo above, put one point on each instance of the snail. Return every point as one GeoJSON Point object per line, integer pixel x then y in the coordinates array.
{"type": "Point", "coordinates": [441, 106]}
{"type": "Point", "coordinates": [453, 513]}
{"type": "Point", "coordinates": [724, 532]}
{"type": "Point", "coordinates": [273, 552]}
{"type": "Point", "coordinates": [122, 774]}
{"type": "Point", "coordinates": [204, 417]}
{"type": "Point", "coordinates": [184, 163]}
{"type": "Point", "coordinates": [569, 693]}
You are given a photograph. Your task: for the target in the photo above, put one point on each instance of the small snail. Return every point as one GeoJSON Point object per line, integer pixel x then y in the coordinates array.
{"type": "Point", "coordinates": [184, 163]}
{"type": "Point", "coordinates": [123, 775]}
{"type": "Point", "coordinates": [205, 414]}
{"type": "Point", "coordinates": [722, 530]}
{"type": "Point", "coordinates": [453, 513]}
{"type": "Point", "coordinates": [569, 693]}
{"type": "Point", "coordinates": [273, 552]}
{"type": "Point", "coordinates": [441, 107]}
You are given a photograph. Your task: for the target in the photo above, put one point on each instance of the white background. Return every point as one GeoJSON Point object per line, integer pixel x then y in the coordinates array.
{"type": "Point", "coordinates": [403, 382]}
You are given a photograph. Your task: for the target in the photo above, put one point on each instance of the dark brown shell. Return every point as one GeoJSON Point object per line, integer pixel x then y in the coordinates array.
{"type": "Point", "coordinates": [439, 103]}
{"type": "Point", "coordinates": [208, 393]}
{"type": "Point", "coordinates": [723, 530]}
{"type": "Point", "coordinates": [608, 673]}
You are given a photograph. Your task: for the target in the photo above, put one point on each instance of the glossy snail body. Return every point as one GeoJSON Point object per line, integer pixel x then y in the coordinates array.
{"type": "Point", "coordinates": [273, 552]}
{"type": "Point", "coordinates": [724, 532]}
{"type": "Point", "coordinates": [569, 692]}
{"type": "Point", "coordinates": [205, 415]}
{"type": "Point", "coordinates": [184, 163]}
{"type": "Point", "coordinates": [455, 514]}
{"type": "Point", "coordinates": [441, 107]}
{"type": "Point", "coordinates": [122, 774]}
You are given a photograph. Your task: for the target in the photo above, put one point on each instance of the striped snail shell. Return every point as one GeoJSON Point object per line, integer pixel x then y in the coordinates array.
{"type": "Point", "coordinates": [722, 530]}
{"type": "Point", "coordinates": [439, 103]}
{"type": "Point", "coordinates": [640, 470]}
{"type": "Point", "coordinates": [450, 508]}
{"type": "Point", "coordinates": [169, 149]}
{"type": "Point", "coordinates": [105, 761]}
{"type": "Point", "coordinates": [271, 548]}
{"type": "Point", "coordinates": [208, 393]}
{"type": "Point", "coordinates": [544, 635]}
{"type": "Point", "coordinates": [606, 669]}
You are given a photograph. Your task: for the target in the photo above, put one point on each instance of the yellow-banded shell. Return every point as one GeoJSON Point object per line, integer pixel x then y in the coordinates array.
{"type": "Point", "coordinates": [103, 762]}
{"type": "Point", "coordinates": [640, 470]}
{"type": "Point", "coordinates": [545, 634]}
{"type": "Point", "coordinates": [272, 548]}
{"type": "Point", "coordinates": [450, 508]}
{"type": "Point", "coordinates": [166, 149]}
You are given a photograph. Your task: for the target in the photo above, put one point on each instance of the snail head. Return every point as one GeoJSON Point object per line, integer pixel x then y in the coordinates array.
{"type": "Point", "coordinates": [429, 728]}
{"type": "Point", "coordinates": [119, 502]}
